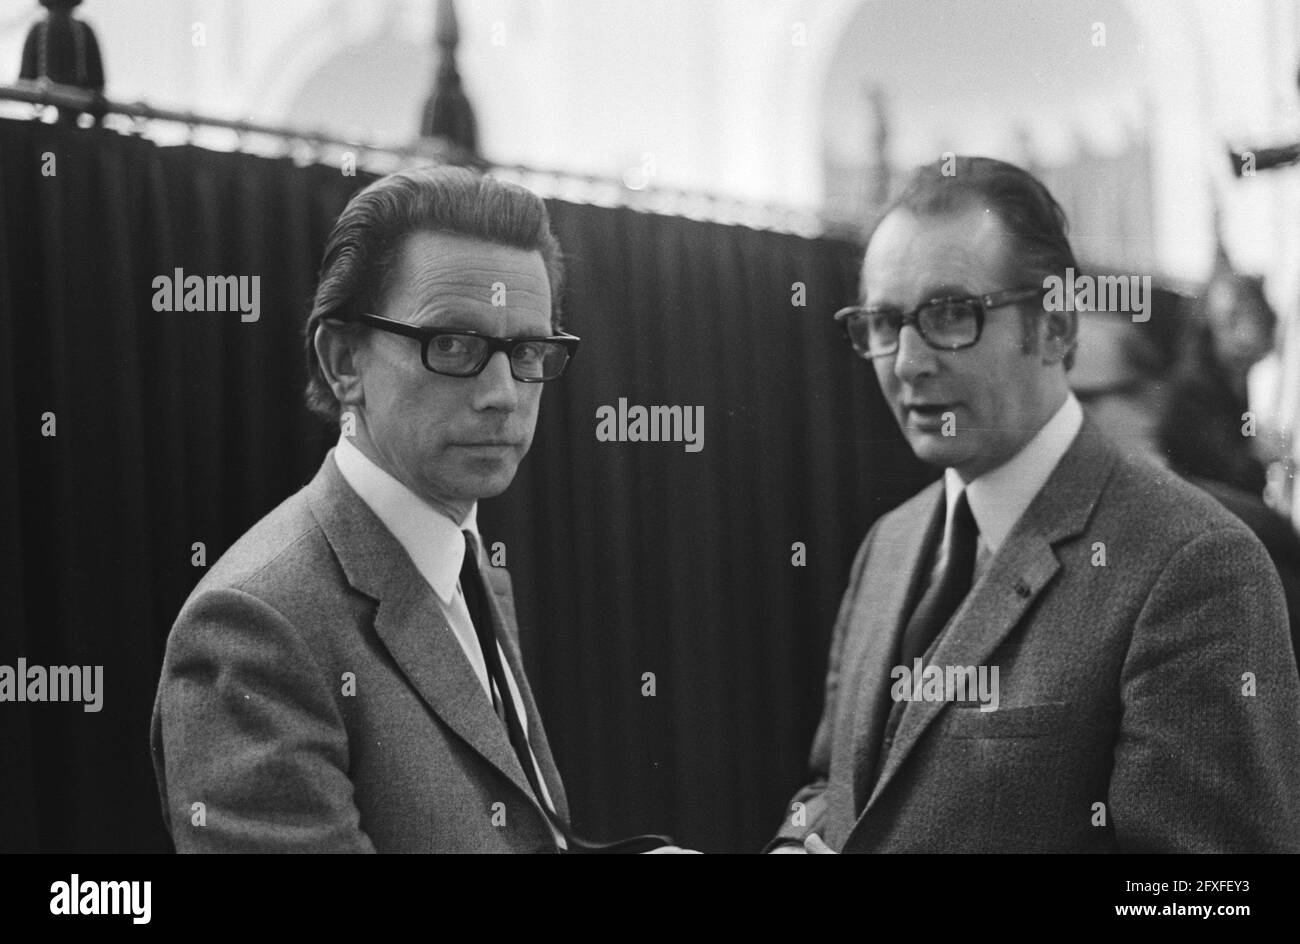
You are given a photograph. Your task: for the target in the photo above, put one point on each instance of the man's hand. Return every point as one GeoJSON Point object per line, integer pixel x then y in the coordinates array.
{"type": "Point", "coordinates": [812, 845]}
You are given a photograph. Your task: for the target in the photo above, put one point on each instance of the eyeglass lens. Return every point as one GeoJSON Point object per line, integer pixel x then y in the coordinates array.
{"type": "Point", "coordinates": [945, 325]}
{"type": "Point", "coordinates": [463, 355]}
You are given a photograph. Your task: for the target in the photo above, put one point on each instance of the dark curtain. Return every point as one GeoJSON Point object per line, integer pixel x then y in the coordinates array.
{"type": "Point", "coordinates": [176, 428]}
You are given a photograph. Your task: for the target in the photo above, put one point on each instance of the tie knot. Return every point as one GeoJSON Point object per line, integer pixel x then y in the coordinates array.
{"type": "Point", "coordinates": [963, 519]}
{"type": "Point", "coordinates": [469, 571]}
{"type": "Point", "coordinates": [471, 587]}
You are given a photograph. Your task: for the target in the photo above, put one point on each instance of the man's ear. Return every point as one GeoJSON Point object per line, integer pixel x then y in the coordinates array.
{"type": "Point", "coordinates": [1056, 335]}
{"type": "Point", "coordinates": [336, 350]}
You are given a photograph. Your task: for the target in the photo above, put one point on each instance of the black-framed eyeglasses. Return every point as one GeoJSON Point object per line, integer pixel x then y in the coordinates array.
{"type": "Point", "coordinates": [949, 323]}
{"type": "Point", "coordinates": [459, 352]}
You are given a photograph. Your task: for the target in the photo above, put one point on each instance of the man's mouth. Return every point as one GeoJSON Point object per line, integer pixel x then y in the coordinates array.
{"type": "Point", "coordinates": [928, 410]}
{"type": "Point", "coordinates": [926, 417]}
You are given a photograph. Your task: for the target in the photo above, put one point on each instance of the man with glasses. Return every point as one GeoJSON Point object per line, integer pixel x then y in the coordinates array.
{"type": "Point", "coordinates": [347, 677]}
{"type": "Point", "coordinates": [1052, 648]}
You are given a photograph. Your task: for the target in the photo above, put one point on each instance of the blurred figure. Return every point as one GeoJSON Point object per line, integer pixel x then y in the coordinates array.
{"type": "Point", "coordinates": [1242, 325]}
{"type": "Point", "coordinates": [1202, 428]}
{"type": "Point", "coordinates": [1125, 376]}
{"type": "Point", "coordinates": [64, 50]}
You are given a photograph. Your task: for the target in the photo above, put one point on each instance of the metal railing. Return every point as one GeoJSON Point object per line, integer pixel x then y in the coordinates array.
{"type": "Point", "coordinates": [321, 146]}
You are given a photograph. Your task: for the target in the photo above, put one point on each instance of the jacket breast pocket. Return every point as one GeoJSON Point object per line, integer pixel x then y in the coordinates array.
{"type": "Point", "coordinates": [1022, 721]}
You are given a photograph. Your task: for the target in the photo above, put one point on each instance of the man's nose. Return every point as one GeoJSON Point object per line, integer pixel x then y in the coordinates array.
{"type": "Point", "coordinates": [495, 387]}
{"type": "Point", "coordinates": [914, 358]}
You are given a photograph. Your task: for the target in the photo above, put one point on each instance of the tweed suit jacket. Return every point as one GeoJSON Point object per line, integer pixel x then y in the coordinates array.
{"type": "Point", "coordinates": [1148, 691]}
{"type": "Point", "coordinates": [313, 698]}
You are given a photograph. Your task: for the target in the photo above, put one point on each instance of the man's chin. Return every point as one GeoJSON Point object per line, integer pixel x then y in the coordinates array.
{"type": "Point", "coordinates": [491, 488]}
{"type": "Point", "coordinates": [472, 482]}
{"type": "Point", "coordinates": [933, 448]}
{"type": "Point", "coordinates": [487, 479]}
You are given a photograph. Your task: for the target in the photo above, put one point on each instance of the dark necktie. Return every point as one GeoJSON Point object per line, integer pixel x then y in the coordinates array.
{"type": "Point", "coordinates": [471, 585]}
{"type": "Point", "coordinates": [951, 581]}
{"type": "Point", "coordinates": [480, 614]}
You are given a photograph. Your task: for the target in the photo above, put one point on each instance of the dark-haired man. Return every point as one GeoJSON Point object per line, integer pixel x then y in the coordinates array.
{"type": "Point", "coordinates": [347, 677]}
{"type": "Point", "coordinates": [1053, 648]}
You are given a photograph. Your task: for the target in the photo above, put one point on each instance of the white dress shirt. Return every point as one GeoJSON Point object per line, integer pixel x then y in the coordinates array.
{"type": "Point", "coordinates": [437, 549]}
{"type": "Point", "coordinates": [999, 497]}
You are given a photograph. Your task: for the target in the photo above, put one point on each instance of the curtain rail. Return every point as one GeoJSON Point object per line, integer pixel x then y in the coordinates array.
{"type": "Point", "coordinates": [566, 185]}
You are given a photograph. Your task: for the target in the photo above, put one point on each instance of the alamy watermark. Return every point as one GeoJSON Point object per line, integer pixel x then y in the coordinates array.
{"type": "Point", "coordinates": [70, 683]}
{"type": "Point", "coordinates": [181, 292]}
{"type": "Point", "coordinates": [682, 424]}
{"type": "Point", "coordinates": [76, 897]}
{"type": "Point", "coordinates": [1122, 294]}
{"type": "Point", "coordinates": [955, 683]}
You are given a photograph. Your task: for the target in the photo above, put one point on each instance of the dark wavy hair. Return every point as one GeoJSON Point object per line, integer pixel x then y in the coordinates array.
{"type": "Point", "coordinates": [364, 248]}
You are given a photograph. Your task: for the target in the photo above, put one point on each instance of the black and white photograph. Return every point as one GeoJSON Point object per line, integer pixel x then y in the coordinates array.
{"type": "Point", "coordinates": [651, 427]}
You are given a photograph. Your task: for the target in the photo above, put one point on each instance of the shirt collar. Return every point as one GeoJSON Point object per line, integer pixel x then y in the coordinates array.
{"type": "Point", "coordinates": [999, 497]}
{"type": "Point", "coordinates": [431, 539]}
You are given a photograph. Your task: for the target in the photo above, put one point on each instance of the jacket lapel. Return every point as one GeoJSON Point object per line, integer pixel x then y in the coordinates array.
{"type": "Point", "coordinates": [886, 597]}
{"type": "Point", "coordinates": [409, 620]}
{"type": "Point", "coordinates": [1023, 567]}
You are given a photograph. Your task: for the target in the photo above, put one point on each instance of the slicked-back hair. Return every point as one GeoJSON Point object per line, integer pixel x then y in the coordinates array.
{"type": "Point", "coordinates": [363, 253]}
{"type": "Point", "coordinates": [1037, 225]}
